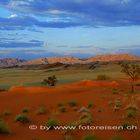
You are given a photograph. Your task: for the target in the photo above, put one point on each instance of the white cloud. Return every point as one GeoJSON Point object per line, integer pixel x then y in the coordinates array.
{"type": "Point", "coordinates": [55, 11]}
{"type": "Point", "coordinates": [13, 16]}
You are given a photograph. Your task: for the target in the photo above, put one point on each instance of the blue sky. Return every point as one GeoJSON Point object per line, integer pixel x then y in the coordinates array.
{"type": "Point", "coordinates": [32, 29]}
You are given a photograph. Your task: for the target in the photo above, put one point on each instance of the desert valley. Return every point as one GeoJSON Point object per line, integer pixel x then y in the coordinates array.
{"type": "Point", "coordinates": [85, 92]}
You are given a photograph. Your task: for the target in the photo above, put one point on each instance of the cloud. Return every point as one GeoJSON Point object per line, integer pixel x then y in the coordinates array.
{"type": "Point", "coordinates": [7, 43]}
{"type": "Point", "coordinates": [96, 13]}
{"type": "Point", "coordinates": [29, 53]}
{"type": "Point", "coordinates": [87, 51]}
{"type": "Point", "coordinates": [23, 22]}
{"type": "Point", "coordinates": [13, 16]}
{"type": "Point", "coordinates": [26, 53]}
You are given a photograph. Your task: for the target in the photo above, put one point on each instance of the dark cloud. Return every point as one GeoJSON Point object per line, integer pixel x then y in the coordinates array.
{"type": "Point", "coordinates": [82, 12]}
{"type": "Point", "coordinates": [14, 44]}
{"type": "Point", "coordinates": [24, 22]}
{"type": "Point", "coordinates": [93, 13]}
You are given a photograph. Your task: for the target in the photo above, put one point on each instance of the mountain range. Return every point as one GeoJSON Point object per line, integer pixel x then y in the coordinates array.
{"type": "Point", "coordinates": [11, 62]}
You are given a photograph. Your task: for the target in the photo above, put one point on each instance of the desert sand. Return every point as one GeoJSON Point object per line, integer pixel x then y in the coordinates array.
{"type": "Point", "coordinates": [84, 92]}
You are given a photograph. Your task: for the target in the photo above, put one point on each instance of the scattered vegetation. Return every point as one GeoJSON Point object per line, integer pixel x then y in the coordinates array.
{"type": "Point", "coordinates": [4, 128]}
{"type": "Point", "coordinates": [83, 109]}
{"type": "Point", "coordinates": [90, 105]}
{"type": "Point", "coordinates": [25, 110]}
{"type": "Point", "coordinates": [102, 77]}
{"type": "Point", "coordinates": [131, 113]}
{"type": "Point", "coordinates": [85, 116]}
{"type": "Point", "coordinates": [72, 103]}
{"type": "Point", "coordinates": [62, 109]}
{"type": "Point", "coordinates": [41, 110]}
{"type": "Point", "coordinates": [126, 125]}
{"type": "Point", "coordinates": [132, 109]}
{"type": "Point", "coordinates": [117, 103]}
{"type": "Point", "coordinates": [51, 81]}
{"type": "Point", "coordinates": [133, 72]}
{"type": "Point", "coordinates": [52, 122]}
{"type": "Point", "coordinates": [90, 137]}
{"type": "Point", "coordinates": [23, 118]}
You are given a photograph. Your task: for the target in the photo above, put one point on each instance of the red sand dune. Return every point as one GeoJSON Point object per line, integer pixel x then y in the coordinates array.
{"type": "Point", "coordinates": [84, 92]}
{"type": "Point", "coordinates": [96, 83]}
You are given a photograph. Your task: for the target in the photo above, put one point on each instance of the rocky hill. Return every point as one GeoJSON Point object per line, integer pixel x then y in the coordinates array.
{"type": "Point", "coordinates": [67, 60]}
{"type": "Point", "coordinates": [64, 60]}
{"type": "Point", "coordinates": [35, 62]}
{"type": "Point", "coordinates": [113, 57]}
{"type": "Point", "coordinates": [52, 60]}
{"type": "Point", "coordinates": [10, 62]}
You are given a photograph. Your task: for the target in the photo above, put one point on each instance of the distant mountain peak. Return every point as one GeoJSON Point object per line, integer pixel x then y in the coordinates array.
{"type": "Point", "coordinates": [10, 62]}
{"type": "Point", "coordinates": [113, 57]}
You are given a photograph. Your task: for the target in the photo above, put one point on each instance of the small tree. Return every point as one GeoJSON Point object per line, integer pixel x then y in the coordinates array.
{"type": "Point", "coordinates": [51, 81]}
{"type": "Point", "coordinates": [132, 71]}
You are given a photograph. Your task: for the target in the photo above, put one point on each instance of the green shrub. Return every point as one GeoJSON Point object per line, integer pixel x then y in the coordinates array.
{"type": "Point", "coordinates": [52, 122]}
{"type": "Point", "coordinates": [90, 137]}
{"type": "Point", "coordinates": [72, 103]}
{"type": "Point", "coordinates": [116, 108]}
{"type": "Point", "coordinates": [75, 123]}
{"type": "Point", "coordinates": [51, 81]}
{"type": "Point", "coordinates": [117, 138]}
{"type": "Point", "coordinates": [23, 118]}
{"type": "Point", "coordinates": [83, 109]}
{"type": "Point", "coordinates": [41, 110]}
{"type": "Point", "coordinates": [102, 77]}
{"type": "Point", "coordinates": [90, 105]}
{"type": "Point", "coordinates": [117, 103]}
{"type": "Point", "coordinates": [72, 124]}
{"type": "Point", "coordinates": [25, 110]}
{"type": "Point", "coordinates": [86, 118]}
{"type": "Point", "coordinates": [126, 125]}
{"type": "Point", "coordinates": [85, 115]}
{"type": "Point", "coordinates": [131, 114]}
{"type": "Point", "coordinates": [62, 109]}
{"type": "Point", "coordinates": [4, 128]}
